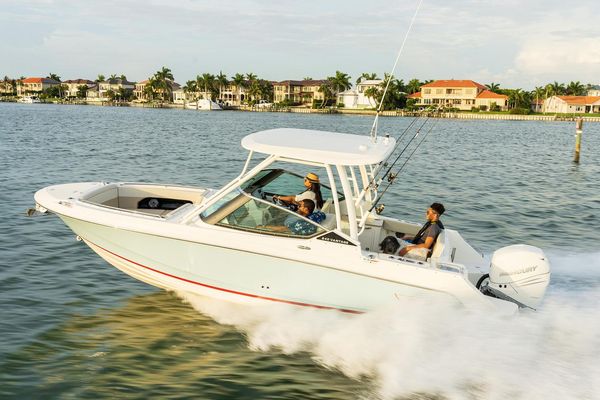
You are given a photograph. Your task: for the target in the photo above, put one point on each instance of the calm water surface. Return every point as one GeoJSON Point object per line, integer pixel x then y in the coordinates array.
{"type": "Point", "coordinates": [73, 327]}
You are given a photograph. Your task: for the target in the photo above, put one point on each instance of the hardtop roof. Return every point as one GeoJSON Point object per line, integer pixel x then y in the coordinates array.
{"type": "Point", "coordinates": [320, 146]}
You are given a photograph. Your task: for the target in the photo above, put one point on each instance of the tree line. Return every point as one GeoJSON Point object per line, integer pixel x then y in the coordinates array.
{"type": "Point", "coordinates": [160, 87]}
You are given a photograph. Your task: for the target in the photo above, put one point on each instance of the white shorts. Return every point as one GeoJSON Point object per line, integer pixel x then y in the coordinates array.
{"type": "Point", "coordinates": [420, 253]}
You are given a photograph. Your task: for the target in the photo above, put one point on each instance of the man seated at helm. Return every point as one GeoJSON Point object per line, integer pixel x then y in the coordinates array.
{"type": "Point", "coordinates": [422, 243]}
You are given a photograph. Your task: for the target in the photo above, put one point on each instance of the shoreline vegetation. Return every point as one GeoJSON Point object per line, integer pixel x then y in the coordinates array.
{"type": "Point", "coordinates": [248, 92]}
{"type": "Point", "coordinates": [506, 116]}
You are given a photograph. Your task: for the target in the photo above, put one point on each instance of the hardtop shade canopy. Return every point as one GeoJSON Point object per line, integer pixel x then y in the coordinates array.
{"type": "Point", "coordinates": [320, 146]}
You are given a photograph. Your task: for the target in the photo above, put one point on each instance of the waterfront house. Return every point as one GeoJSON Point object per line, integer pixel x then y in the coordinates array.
{"type": "Point", "coordinates": [35, 85]}
{"type": "Point", "coordinates": [140, 96]}
{"type": "Point", "coordinates": [572, 104]}
{"type": "Point", "coordinates": [231, 94]}
{"type": "Point", "coordinates": [114, 85]}
{"type": "Point", "coordinates": [93, 93]}
{"type": "Point", "coordinates": [178, 95]}
{"type": "Point", "coordinates": [72, 86]}
{"type": "Point", "coordinates": [537, 105]}
{"type": "Point", "coordinates": [298, 92]}
{"type": "Point", "coordinates": [460, 94]}
{"type": "Point", "coordinates": [355, 98]}
{"type": "Point", "coordinates": [594, 91]}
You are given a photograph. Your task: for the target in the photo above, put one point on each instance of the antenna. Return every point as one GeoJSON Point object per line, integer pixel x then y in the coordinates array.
{"type": "Point", "coordinates": [374, 127]}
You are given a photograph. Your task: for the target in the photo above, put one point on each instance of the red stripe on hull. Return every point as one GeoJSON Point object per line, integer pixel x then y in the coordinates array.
{"type": "Point", "coordinates": [296, 303]}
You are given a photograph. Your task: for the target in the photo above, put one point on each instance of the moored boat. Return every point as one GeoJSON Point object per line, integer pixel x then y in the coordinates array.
{"type": "Point", "coordinates": [203, 104]}
{"type": "Point", "coordinates": [29, 99]}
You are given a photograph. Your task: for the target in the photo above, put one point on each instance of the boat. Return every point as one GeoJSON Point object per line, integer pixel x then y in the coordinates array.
{"type": "Point", "coordinates": [29, 99]}
{"type": "Point", "coordinates": [203, 104]}
{"type": "Point", "coordinates": [221, 243]}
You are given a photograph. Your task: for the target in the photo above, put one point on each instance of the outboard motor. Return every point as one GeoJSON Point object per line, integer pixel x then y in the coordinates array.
{"type": "Point", "coordinates": [519, 273]}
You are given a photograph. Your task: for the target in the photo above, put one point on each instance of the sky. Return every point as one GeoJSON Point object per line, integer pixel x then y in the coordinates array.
{"type": "Point", "coordinates": [517, 44]}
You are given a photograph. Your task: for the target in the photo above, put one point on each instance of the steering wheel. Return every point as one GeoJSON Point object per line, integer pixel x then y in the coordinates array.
{"type": "Point", "coordinates": [261, 194]}
{"type": "Point", "coordinates": [281, 203]}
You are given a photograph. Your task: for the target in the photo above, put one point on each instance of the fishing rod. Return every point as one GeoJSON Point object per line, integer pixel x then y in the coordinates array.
{"type": "Point", "coordinates": [405, 147]}
{"type": "Point", "coordinates": [372, 186]}
{"type": "Point", "coordinates": [392, 177]}
{"type": "Point", "coordinates": [375, 122]}
{"type": "Point", "coordinates": [375, 181]}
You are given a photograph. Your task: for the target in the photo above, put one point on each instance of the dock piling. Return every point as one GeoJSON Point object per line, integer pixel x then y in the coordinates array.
{"type": "Point", "coordinates": [578, 133]}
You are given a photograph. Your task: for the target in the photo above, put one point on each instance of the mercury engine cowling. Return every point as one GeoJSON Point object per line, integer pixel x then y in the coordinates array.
{"type": "Point", "coordinates": [519, 273]}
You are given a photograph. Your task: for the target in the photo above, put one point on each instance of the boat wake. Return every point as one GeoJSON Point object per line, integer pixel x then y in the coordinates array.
{"type": "Point", "coordinates": [420, 349]}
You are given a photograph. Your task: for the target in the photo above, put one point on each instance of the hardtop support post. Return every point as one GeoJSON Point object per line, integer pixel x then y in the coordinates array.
{"type": "Point", "coordinates": [349, 201]}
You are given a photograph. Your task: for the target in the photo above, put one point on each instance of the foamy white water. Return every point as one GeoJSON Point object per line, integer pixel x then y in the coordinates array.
{"type": "Point", "coordinates": [415, 347]}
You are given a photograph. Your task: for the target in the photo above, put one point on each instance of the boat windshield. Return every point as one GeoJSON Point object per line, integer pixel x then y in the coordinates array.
{"type": "Point", "coordinates": [252, 206]}
{"type": "Point", "coordinates": [279, 181]}
{"type": "Point", "coordinates": [239, 210]}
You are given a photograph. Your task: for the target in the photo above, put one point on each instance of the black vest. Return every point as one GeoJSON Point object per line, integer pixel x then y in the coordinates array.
{"type": "Point", "coordinates": [419, 235]}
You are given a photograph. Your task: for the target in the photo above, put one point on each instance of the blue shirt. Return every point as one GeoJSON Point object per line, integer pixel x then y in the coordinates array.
{"type": "Point", "coordinates": [299, 226]}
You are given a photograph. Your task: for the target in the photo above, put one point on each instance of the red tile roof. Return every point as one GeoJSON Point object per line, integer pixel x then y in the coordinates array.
{"type": "Point", "coordinates": [39, 80]}
{"type": "Point", "coordinates": [487, 94]}
{"type": "Point", "coordinates": [416, 95]}
{"type": "Point", "coordinates": [452, 83]}
{"type": "Point", "coordinates": [579, 100]}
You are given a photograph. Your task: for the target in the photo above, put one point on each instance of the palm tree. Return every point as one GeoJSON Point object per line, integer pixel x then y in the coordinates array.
{"type": "Point", "coordinates": [394, 97]}
{"type": "Point", "coordinates": [82, 91]}
{"type": "Point", "coordinates": [254, 90]}
{"type": "Point", "coordinates": [307, 78]}
{"type": "Point", "coordinates": [557, 88]}
{"type": "Point", "coordinates": [339, 83]}
{"type": "Point", "coordinates": [372, 93]}
{"type": "Point", "coordinates": [6, 82]}
{"type": "Point", "coordinates": [266, 90]}
{"type": "Point", "coordinates": [239, 82]}
{"type": "Point", "coordinates": [519, 98]}
{"type": "Point", "coordinates": [112, 77]}
{"type": "Point", "coordinates": [150, 88]}
{"type": "Point", "coordinates": [327, 91]}
{"type": "Point", "coordinates": [100, 78]}
{"type": "Point", "coordinates": [211, 85]}
{"type": "Point", "coordinates": [251, 77]}
{"type": "Point", "coordinates": [53, 76]}
{"type": "Point", "coordinates": [164, 82]}
{"type": "Point", "coordinates": [366, 76]}
{"type": "Point", "coordinates": [222, 81]}
{"type": "Point", "coordinates": [190, 87]}
{"type": "Point", "coordinates": [575, 89]}
{"type": "Point", "coordinates": [206, 82]}
{"type": "Point", "coordinates": [123, 78]}
{"type": "Point", "coordinates": [493, 87]}
{"type": "Point", "coordinates": [538, 93]}
{"type": "Point", "coordinates": [413, 86]}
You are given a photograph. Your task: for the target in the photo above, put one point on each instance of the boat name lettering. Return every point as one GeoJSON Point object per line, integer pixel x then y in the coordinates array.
{"type": "Point", "coordinates": [333, 238]}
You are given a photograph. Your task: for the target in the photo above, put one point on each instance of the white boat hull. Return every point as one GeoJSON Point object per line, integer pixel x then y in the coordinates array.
{"type": "Point", "coordinates": [200, 261]}
{"type": "Point", "coordinates": [234, 275]}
